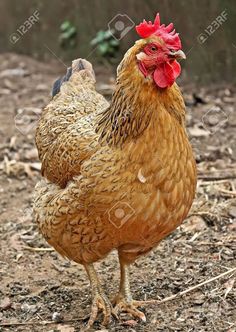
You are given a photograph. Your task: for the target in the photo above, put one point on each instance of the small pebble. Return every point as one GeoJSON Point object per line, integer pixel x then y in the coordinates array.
{"type": "Point", "coordinates": [232, 211]}
{"type": "Point", "coordinates": [57, 317]}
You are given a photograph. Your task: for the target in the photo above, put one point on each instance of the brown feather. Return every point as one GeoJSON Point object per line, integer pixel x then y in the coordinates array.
{"type": "Point", "coordinates": [98, 159]}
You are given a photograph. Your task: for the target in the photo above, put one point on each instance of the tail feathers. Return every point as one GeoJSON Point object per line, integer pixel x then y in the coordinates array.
{"type": "Point", "coordinates": [57, 84]}
{"type": "Point", "coordinates": [84, 66]}
{"type": "Point", "coordinates": [81, 64]}
{"type": "Point", "coordinates": [78, 65]}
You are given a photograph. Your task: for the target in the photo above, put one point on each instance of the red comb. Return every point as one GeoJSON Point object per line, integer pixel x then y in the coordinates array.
{"type": "Point", "coordinates": [167, 33]}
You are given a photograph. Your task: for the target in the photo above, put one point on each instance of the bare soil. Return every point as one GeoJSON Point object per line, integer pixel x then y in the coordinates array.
{"type": "Point", "coordinates": [40, 291]}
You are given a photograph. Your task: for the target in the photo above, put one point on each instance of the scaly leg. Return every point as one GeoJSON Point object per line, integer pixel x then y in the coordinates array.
{"type": "Point", "coordinates": [123, 301]}
{"type": "Point", "coordinates": [99, 299]}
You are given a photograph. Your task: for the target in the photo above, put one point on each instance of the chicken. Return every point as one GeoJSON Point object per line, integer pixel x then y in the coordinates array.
{"type": "Point", "coordinates": [119, 176]}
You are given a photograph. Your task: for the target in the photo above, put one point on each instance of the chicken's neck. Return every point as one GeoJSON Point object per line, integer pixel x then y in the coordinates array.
{"type": "Point", "coordinates": [136, 105]}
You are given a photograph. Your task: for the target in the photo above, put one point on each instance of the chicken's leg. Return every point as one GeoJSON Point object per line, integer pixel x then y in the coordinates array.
{"type": "Point", "coordinates": [99, 299]}
{"type": "Point", "coordinates": [123, 301]}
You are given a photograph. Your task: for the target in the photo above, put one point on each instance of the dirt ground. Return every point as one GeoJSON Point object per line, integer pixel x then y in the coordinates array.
{"type": "Point", "coordinates": [40, 291]}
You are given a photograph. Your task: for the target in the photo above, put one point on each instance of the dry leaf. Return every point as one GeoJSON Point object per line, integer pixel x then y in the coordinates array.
{"type": "Point", "coordinates": [198, 132]}
{"type": "Point", "coordinates": [16, 168]}
{"type": "Point", "coordinates": [36, 166]}
{"type": "Point", "coordinates": [5, 303]}
{"type": "Point", "coordinates": [228, 286]}
{"type": "Point", "coordinates": [194, 223]}
{"type": "Point", "coordinates": [14, 72]}
{"type": "Point", "coordinates": [31, 154]}
{"type": "Point", "coordinates": [232, 211]}
{"type": "Point", "coordinates": [65, 328]}
{"type": "Point", "coordinates": [12, 143]}
{"type": "Point", "coordinates": [15, 242]}
{"type": "Point", "coordinates": [130, 323]}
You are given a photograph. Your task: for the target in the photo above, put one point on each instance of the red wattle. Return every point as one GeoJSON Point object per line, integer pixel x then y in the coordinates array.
{"type": "Point", "coordinates": [166, 74]}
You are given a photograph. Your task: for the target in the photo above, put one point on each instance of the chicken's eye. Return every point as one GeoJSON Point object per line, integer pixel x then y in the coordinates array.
{"type": "Point", "coordinates": [153, 48]}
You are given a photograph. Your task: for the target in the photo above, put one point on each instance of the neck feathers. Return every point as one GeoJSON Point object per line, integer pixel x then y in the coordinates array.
{"type": "Point", "coordinates": [135, 103]}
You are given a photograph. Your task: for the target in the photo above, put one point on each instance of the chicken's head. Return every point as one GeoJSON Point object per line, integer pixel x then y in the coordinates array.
{"type": "Point", "coordinates": [160, 50]}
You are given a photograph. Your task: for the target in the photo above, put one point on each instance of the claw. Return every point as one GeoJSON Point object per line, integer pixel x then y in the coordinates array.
{"type": "Point", "coordinates": [100, 302]}
{"type": "Point", "coordinates": [121, 305]}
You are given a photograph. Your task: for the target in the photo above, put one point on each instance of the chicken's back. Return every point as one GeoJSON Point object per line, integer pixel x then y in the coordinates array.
{"type": "Point", "coordinates": [65, 135]}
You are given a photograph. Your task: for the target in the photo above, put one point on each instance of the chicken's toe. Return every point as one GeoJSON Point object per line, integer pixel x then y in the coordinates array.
{"type": "Point", "coordinates": [100, 302]}
{"type": "Point", "coordinates": [122, 305]}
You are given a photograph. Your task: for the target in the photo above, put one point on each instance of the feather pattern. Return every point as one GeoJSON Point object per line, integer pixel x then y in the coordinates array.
{"type": "Point", "coordinates": [92, 200]}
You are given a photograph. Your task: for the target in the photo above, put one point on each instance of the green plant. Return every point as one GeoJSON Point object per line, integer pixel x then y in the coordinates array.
{"type": "Point", "coordinates": [68, 35]}
{"type": "Point", "coordinates": [107, 46]}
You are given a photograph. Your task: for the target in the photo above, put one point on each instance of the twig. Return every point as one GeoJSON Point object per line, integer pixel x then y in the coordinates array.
{"type": "Point", "coordinates": [45, 322]}
{"type": "Point", "coordinates": [207, 183]}
{"type": "Point", "coordinates": [225, 174]}
{"type": "Point", "coordinates": [37, 249]}
{"type": "Point", "coordinates": [227, 192]}
{"type": "Point", "coordinates": [226, 244]}
{"type": "Point", "coordinates": [202, 214]}
{"type": "Point", "coordinates": [190, 289]}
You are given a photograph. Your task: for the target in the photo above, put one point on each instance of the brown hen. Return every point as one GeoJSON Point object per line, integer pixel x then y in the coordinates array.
{"type": "Point", "coordinates": [119, 176]}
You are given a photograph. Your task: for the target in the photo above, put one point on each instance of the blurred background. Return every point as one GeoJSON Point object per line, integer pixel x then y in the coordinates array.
{"type": "Point", "coordinates": [66, 29]}
{"type": "Point", "coordinates": [38, 41]}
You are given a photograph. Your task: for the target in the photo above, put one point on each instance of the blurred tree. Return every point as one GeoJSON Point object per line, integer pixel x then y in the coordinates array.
{"type": "Point", "coordinates": [68, 35]}
{"type": "Point", "coordinates": [106, 45]}
{"type": "Point", "coordinates": [215, 59]}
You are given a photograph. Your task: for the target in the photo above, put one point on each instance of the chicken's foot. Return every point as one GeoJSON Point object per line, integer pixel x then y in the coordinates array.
{"type": "Point", "coordinates": [123, 301]}
{"type": "Point", "coordinates": [99, 299]}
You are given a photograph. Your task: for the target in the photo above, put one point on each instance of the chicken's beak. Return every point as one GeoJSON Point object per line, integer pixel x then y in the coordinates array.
{"type": "Point", "coordinates": [178, 55]}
